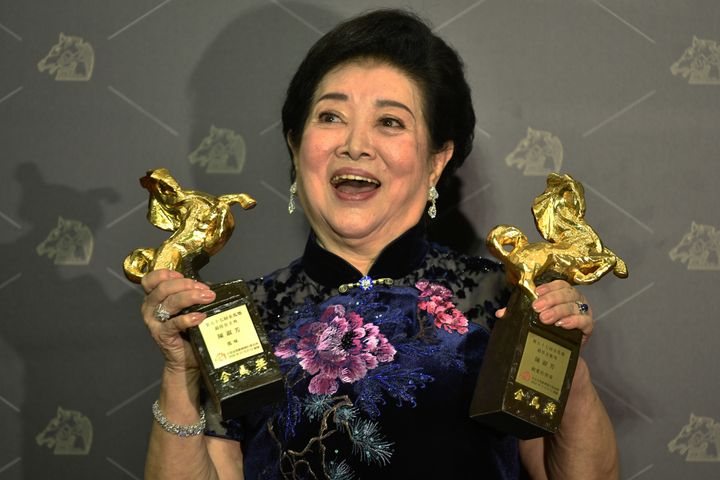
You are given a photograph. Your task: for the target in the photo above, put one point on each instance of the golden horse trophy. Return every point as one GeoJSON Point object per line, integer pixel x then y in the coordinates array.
{"type": "Point", "coordinates": [528, 366]}
{"type": "Point", "coordinates": [235, 356]}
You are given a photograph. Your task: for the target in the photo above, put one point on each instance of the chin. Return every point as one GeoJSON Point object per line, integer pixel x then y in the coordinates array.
{"type": "Point", "coordinates": [371, 228]}
{"type": "Point", "coordinates": [357, 229]}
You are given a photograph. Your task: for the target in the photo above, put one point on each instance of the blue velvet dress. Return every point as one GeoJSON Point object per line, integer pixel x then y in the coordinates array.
{"type": "Point", "coordinates": [378, 380]}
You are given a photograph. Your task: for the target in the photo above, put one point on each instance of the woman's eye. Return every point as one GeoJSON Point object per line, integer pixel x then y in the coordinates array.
{"type": "Point", "coordinates": [391, 122]}
{"type": "Point", "coordinates": [328, 117]}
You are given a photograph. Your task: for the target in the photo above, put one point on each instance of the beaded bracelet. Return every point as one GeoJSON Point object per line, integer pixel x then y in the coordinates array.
{"type": "Point", "coordinates": [175, 429]}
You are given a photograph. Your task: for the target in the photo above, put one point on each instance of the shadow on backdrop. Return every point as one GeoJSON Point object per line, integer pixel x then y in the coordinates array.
{"type": "Point", "coordinates": [69, 336]}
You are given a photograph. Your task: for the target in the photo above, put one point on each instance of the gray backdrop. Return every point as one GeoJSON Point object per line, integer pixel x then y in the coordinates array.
{"type": "Point", "coordinates": [622, 95]}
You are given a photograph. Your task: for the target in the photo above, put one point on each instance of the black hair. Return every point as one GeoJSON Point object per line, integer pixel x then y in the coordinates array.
{"type": "Point", "coordinates": [406, 42]}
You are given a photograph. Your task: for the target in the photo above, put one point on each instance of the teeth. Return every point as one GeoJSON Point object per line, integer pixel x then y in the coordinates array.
{"type": "Point", "coordinates": [342, 178]}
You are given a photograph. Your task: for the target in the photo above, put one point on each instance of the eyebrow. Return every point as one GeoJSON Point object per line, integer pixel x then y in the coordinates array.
{"type": "Point", "coordinates": [378, 103]}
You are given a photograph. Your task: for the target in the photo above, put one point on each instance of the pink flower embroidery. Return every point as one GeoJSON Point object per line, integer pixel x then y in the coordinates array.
{"type": "Point", "coordinates": [435, 299]}
{"type": "Point", "coordinates": [338, 347]}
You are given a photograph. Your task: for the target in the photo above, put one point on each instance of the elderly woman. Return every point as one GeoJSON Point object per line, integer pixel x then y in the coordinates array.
{"type": "Point", "coordinates": [379, 334]}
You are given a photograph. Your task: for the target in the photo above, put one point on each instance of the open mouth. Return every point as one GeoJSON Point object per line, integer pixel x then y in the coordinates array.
{"type": "Point", "coordinates": [354, 184]}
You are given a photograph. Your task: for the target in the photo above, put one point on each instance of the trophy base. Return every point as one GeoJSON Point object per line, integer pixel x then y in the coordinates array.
{"type": "Point", "coordinates": [236, 358]}
{"type": "Point", "coordinates": [526, 373]}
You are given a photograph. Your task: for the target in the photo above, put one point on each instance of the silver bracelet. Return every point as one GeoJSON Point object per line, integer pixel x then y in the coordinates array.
{"type": "Point", "coordinates": [174, 428]}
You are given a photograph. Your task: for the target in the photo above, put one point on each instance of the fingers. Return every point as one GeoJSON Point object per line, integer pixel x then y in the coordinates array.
{"type": "Point", "coordinates": [154, 278]}
{"type": "Point", "coordinates": [560, 304]}
{"type": "Point", "coordinates": [175, 293]}
{"type": "Point", "coordinates": [500, 312]}
{"type": "Point", "coordinates": [178, 294]}
{"type": "Point", "coordinates": [167, 330]}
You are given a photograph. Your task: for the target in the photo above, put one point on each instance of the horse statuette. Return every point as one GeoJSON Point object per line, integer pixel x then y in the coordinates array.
{"type": "Point", "coordinates": [573, 252]}
{"type": "Point", "coordinates": [201, 226]}
{"type": "Point", "coordinates": [237, 364]}
{"type": "Point", "coordinates": [528, 367]}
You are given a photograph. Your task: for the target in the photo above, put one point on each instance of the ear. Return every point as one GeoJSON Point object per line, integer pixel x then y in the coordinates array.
{"type": "Point", "coordinates": [293, 149]}
{"type": "Point", "coordinates": [439, 160]}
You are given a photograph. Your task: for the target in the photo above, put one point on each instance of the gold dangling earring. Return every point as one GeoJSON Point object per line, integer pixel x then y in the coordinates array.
{"type": "Point", "coordinates": [432, 197]}
{"type": "Point", "coordinates": [293, 191]}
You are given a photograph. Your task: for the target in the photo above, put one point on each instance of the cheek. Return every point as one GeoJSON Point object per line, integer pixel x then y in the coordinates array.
{"type": "Point", "coordinates": [317, 146]}
{"type": "Point", "coordinates": [410, 160]}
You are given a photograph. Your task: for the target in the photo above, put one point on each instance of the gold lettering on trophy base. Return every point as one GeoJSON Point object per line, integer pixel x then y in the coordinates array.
{"type": "Point", "coordinates": [261, 365]}
{"type": "Point", "coordinates": [71, 59]}
{"type": "Point", "coordinates": [542, 366]}
{"type": "Point", "coordinates": [230, 336]}
{"type": "Point", "coordinates": [68, 433]}
{"type": "Point", "coordinates": [550, 409]}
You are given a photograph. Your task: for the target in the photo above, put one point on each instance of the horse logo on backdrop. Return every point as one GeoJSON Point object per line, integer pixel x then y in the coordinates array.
{"type": "Point", "coordinates": [71, 59]}
{"type": "Point", "coordinates": [539, 153]}
{"type": "Point", "coordinates": [222, 151]}
{"type": "Point", "coordinates": [69, 243]}
{"type": "Point", "coordinates": [699, 440]}
{"type": "Point", "coordinates": [699, 248]}
{"type": "Point", "coordinates": [69, 433]}
{"type": "Point", "coordinates": [700, 63]}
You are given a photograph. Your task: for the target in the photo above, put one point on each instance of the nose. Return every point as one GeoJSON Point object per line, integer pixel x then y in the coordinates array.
{"type": "Point", "coordinates": [357, 144]}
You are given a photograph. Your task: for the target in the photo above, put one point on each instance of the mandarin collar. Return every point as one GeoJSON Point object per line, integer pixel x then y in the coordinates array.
{"type": "Point", "coordinates": [397, 259]}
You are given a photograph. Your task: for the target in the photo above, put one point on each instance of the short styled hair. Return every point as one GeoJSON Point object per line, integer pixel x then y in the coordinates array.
{"type": "Point", "coordinates": [404, 41]}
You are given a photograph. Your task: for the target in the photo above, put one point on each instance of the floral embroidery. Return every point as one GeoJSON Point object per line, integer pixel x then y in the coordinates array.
{"type": "Point", "coordinates": [435, 299]}
{"type": "Point", "coordinates": [337, 347]}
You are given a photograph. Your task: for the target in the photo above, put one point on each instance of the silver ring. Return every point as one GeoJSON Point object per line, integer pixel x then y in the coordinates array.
{"type": "Point", "coordinates": [582, 307]}
{"type": "Point", "coordinates": [161, 314]}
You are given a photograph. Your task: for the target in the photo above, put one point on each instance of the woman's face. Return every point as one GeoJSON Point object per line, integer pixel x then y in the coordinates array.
{"type": "Point", "coordinates": [365, 165]}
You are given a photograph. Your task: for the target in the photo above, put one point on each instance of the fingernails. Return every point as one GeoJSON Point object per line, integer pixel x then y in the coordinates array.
{"type": "Point", "coordinates": [544, 316]}
{"type": "Point", "coordinates": [207, 295]}
{"type": "Point", "coordinates": [559, 323]}
{"type": "Point", "coordinates": [538, 305]}
{"type": "Point", "coordinates": [540, 289]}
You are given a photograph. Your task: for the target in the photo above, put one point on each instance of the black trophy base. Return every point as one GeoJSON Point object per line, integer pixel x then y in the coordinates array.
{"type": "Point", "coordinates": [526, 373]}
{"type": "Point", "coordinates": [236, 359]}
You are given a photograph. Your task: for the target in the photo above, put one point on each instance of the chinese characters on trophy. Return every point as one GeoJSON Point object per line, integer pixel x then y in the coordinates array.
{"type": "Point", "coordinates": [235, 356]}
{"type": "Point", "coordinates": [528, 366]}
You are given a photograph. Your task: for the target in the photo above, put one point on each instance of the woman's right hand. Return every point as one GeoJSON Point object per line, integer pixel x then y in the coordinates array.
{"type": "Point", "coordinates": [175, 293]}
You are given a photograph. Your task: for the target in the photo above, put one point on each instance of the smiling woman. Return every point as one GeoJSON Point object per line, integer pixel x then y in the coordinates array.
{"type": "Point", "coordinates": [379, 333]}
{"type": "Point", "coordinates": [364, 164]}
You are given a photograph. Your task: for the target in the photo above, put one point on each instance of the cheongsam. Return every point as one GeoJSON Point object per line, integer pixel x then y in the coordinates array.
{"type": "Point", "coordinates": [379, 378]}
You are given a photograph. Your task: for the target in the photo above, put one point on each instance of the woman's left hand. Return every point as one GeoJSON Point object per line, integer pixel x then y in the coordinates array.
{"type": "Point", "coordinates": [562, 305]}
